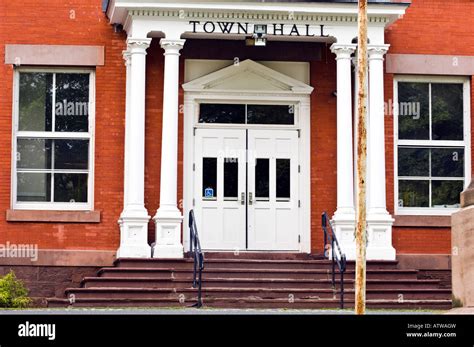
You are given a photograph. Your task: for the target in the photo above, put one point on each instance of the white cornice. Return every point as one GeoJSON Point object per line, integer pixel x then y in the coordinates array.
{"type": "Point", "coordinates": [119, 10]}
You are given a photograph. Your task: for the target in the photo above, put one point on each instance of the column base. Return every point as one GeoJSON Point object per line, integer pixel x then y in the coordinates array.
{"type": "Point", "coordinates": [134, 235]}
{"type": "Point", "coordinates": [379, 228]}
{"type": "Point", "coordinates": [379, 234]}
{"type": "Point", "coordinates": [344, 227]}
{"type": "Point", "coordinates": [168, 234]}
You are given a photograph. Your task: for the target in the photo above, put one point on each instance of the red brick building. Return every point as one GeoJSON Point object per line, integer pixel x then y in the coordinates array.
{"type": "Point", "coordinates": [247, 119]}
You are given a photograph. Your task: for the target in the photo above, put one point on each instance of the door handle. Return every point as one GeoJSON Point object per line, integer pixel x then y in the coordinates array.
{"type": "Point", "coordinates": [250, 199]}
{"type": "Point", "coordinates": [242, 199]}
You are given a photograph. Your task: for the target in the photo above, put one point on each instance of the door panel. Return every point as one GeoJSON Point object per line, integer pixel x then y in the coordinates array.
{"type": "Point", "coordinates": [246, 189]}
{"type": "Point", "coordinates": [220, 180]}
{"type": "Point", "coordinates": [273, 190]}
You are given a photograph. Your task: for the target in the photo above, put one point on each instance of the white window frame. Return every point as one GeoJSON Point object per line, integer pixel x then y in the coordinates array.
{"type": "Point", "coordinates": [466, 143]}
{"type": "Point", "coordinates": [90, 135]}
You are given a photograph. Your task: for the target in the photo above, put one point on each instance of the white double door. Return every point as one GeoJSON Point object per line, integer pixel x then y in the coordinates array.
{"type": "Point", "coordinates": [246, 189]}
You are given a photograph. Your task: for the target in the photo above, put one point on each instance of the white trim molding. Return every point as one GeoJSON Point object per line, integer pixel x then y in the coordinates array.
{"type": "Point", "coordinates": [275, 88]}
{"type": "Point", "coordinates": [89, 135]}
{"type": "Point", "coordinates": [465, 143]}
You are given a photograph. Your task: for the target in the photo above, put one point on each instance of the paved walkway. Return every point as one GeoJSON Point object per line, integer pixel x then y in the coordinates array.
{"type": "Point", "coordinates": [203, 311]}
{"type": "Point", "coordinates": [461, 310]}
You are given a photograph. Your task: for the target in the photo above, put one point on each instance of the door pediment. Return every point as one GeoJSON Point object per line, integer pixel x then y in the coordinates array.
{"type": "Point", "coordinates": [248, 76]}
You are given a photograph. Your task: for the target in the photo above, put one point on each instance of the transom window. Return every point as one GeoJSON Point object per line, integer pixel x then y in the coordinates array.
{"type": "Point", "coordinates": [247, 114]}
{"type": "Point", "coordinates": [53, 140]}
{"type": "Point", "coordinates": [432, 145]}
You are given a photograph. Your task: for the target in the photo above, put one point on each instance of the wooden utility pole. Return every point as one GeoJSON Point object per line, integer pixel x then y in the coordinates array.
{"type": "Point", "coordinates": [361, 208]}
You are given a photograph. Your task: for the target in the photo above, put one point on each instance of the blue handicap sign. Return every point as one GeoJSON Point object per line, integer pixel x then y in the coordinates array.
{"type": "Point", "coordinates": [209, 193]}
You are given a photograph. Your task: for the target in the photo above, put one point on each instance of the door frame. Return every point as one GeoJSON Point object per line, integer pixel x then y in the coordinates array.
{"type": "Point", "coordinates": [300, 97]}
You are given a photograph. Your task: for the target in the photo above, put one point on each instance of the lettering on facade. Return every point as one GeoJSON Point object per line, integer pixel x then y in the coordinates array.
{"type": "Point", "coordinates": [276, 29]}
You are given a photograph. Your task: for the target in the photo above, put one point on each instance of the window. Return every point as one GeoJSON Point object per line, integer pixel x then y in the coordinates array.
{"type": "Point", "coordinates": [432, 144]}
{"type": "Point", "coordinates": [53, 140]}
{"type": "Point", "coordinates": [247, 114]}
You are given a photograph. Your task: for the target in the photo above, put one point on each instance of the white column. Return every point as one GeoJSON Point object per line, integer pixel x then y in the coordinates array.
{"type": "Point", "coordinates": [344, 218]}
{"type": "Point", "coordinates": [134, 218]}
{"type": "Point", "coordinates": [379, 221]}
{"type": "Point", "coordinates": [168, 218]}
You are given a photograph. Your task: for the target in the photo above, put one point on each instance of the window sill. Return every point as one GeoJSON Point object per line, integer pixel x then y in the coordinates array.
{"type": "Point", "coordinates": [423, 221]}
{"type": "Point", "coordinates": [53, 216]}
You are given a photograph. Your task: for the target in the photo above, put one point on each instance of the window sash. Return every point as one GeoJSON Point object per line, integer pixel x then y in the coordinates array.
{"type": "Point", "coordinates": [293, 108]}
{"type": "Point", "coordinates": [432, 143]}
{"type": "Point", "coordinates": [53, 134]}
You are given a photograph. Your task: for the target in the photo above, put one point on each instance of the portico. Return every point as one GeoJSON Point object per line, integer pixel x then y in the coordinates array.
{"type": "Point", "coordinates": [172, 24]}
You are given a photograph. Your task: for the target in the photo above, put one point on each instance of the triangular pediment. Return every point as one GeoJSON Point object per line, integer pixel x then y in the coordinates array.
{"type": "Point", "coordinates": [248, 76]}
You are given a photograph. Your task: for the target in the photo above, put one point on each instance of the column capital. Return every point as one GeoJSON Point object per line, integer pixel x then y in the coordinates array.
{"type": "Point", "coordinates": [376, 52]}
{"type": "Point", "coordinates": [172, 46]}
{"type": "Point", "coordinates": [343, 51]}
{"type": "Point", "coordinates": [127, 57]}
{"type": "Point", "coordinates": [138, 45]}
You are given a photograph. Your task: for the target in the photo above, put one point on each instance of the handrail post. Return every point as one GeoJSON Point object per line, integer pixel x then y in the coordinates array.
{"type": "Point", "coordinates": [336, 258]}
{"type": "Point", "coordinates": [342, 290]}
{"type": "Point", "coordinates": [333, 256]}
{"type": "Point", "coordinates": [198, 257]}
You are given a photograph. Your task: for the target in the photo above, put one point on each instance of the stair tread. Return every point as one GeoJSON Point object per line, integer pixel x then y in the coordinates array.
{"type": "Point", "coordinates": [238, 289]}
{"type": "Point", "coordinates": [251, 270]}
{"type": "Point", "coordinates": [256, 299]}
{"type": "Point", "coordinates": [256, 261]}
{"type": "Point", "coordinates": [258, 280]}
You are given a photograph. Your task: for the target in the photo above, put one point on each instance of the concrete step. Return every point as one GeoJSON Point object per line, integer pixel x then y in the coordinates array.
{"type": "Point", "coordinates": [215, 282]}
{"type": "Point", "coordinates": [187, 263]}
{"type": "Point", "coordinates": [290, 294]}
{"type": "Point", "coordinates": [252, 273]}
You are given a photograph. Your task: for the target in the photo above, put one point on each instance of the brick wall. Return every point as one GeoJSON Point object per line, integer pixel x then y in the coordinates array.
{"type": "Point", "coordinates": [428, 27]}
{"type": "Point", "coordinates": [445, 26]}
{"type": "Point", "coordinates": [75, 22]}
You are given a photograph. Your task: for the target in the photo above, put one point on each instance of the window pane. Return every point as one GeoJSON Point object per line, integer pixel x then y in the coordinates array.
{"type": "Point", "coordinates": [270, 114]}
{"type": "Point", "coordinates": [70, 187]}
{"type": "Point", "coordinates": [447, 162]}
{"type": "Point", "coordinates": [413, 193]}
{"type": "Point", "coordinates": [35, 101]}
{"type": "Point", "coordinates": [221, 113]}
{"type": "Point", "coordinates": [33, 187]}
{"type": "Point", "coordinates": [413, 111]}
{"type": "Point", "coordinates": [413, 161]}
{"type": "Point", "coordinates": [72, 102]}
{"type": "Point", "coordinates": [209, 177]}
{"type": "Point", "coordinates": [71, 154]}
{"type": "Point", "coordinates": [231, 178]}
{"type": "Point", "coordinates": [447, 110]}
{"type": "Point", "coordinates": [33, 154]}
{"type": "Point", "coordinates": [283, 178]}
{"type": "Point", "coordinates": [262, 178]}
{"type": "Point", "coordinates": [446, 193]}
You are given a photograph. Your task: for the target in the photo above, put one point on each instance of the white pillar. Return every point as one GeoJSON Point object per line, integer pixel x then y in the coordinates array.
{"type": "Point", "coordinates": [168, 218]}
{"type": "Point", "coordinates": [344, 218]}
{"type": "Point", "coordinates": [134, 218]}
{"type": "Point", "coordinates": [379, 221]}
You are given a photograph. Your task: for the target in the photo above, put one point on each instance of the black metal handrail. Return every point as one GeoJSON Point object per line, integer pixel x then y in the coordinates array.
{"type": "Point", "coordinates": [198, 256]}
{"type": "Point", "coordinates": [334, 253]}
